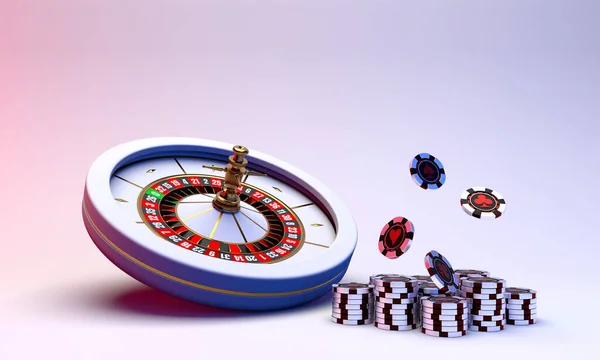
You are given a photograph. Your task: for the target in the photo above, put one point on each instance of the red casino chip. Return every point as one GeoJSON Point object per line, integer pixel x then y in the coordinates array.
{"type": "Point", "coordinates": [396, 237]}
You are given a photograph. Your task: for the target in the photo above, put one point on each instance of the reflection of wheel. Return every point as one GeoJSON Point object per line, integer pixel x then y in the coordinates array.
{"type": "Point", "coordinates": [148, 206]}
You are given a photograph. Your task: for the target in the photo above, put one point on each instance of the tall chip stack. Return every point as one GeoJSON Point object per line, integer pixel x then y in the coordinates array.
{"type": "Point", "coordinates": [521, 306]}
{"type": "Point", "coordinates": [372, 277]}
{"type": "Point", "coordinates": [421, 279]}
{"type": "Point", "coordinates": [426, 289]}
{"type": "Point", "coordinates": [487, 308]}
{"type": "Point", "coordinates": [395, 298]}
{"type": "Point", "coordinates": [464, 273]}
{"type": "Point", "coordinates": [352, 304]}
{"type": "Point", "coordinates": [445, 316]}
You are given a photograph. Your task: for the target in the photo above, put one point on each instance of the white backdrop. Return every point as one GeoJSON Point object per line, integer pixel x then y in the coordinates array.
{"type": "Point", "coordinates": [504, 93]}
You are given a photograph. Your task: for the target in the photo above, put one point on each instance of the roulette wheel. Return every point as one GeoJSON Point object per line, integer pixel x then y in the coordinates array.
{"type": "Point", "coordinates": [217, 224]}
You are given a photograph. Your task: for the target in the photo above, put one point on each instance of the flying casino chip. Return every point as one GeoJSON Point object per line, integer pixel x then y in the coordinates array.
{"type": "Point", "coordinates": [441, 272]}
{"type": "Point", "coordinates": [229, 229]}
{"type": "Point", "coordinates": [427, 171]}
{"type": "Point", "coordinates": [482, 203]}
{"type": "Point", "coordinates": [396, 237]}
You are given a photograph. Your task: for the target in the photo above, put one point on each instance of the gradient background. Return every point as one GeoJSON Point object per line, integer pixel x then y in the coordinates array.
{"type": "Point", "coordinates": [505, 93]}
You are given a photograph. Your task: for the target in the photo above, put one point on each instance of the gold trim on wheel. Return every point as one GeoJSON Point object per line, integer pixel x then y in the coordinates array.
{"type": "Point", "coordinates": [192, 284]}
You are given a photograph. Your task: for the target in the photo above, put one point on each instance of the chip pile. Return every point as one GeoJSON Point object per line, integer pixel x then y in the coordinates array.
{"type": "Point", "coordinates": [445, 316]}
{"type": "Point", "coordinates": [521, 306]}
{"type": "Point", "coordinates": [487, 307]}
{"type": "Point", "coordinates": [397, 302]}
{"type": "Point", "coordinates": [464, 273]}
{"type": "Point", "coordinates": [395, 299]}
{"type": "Point", "coordinates": [352, 304]}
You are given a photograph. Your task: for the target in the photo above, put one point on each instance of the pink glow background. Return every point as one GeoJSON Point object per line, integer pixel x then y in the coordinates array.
{"type": "Point", "coordinates": [504, 94]}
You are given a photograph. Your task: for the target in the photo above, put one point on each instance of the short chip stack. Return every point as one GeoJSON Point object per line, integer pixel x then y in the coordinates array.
{"type": "Point", "coordinates": [352, 304]}
{"type": "Point", "coordinates": [421, 278]}
{"type": "Point", "coordinates": [464, 273]}
{"type": "Point", "coordinates": [486, 303]}
{"type": "Point", "coordinates": [521, 306]}
{"type": "Point", "coordinates": [372, 277]}
{"type": "Point", "coordinates": [395, 298]}
{"type": "Point", "coordinates": [445, 316]}
{"type": "Point", "coordinates": [426, 289]}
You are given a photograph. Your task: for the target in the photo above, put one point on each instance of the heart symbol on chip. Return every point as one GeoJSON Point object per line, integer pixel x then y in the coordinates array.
{"type": "Point", "coordinates": [394, 235]}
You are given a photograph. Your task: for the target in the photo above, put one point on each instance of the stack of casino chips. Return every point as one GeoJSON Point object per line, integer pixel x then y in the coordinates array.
{"type": "Point", "coordinates": [521, 306]}
{"type": "Point", "coordinates": [445, 316]}
{"type": "Point", "coordinates": [421, 278]}
{"type": "Point", "coordinates": [372, 277]}
{"type": "Point", "coordinates": [487, 307]}
{"type": "Point", "coordinates": [352, 304]}
{"type": "Point", "coordinates": [426, 289]}
{"type": "Point", "coordinates": [464, 273]}
{"type": "Point", "coordinates": [429, 288]}
{"type": "Point", "coordinates": [395, 298]}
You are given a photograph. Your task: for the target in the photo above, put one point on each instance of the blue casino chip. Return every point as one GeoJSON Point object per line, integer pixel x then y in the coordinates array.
{"type": "Point", "coordinates": [427, 171]}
